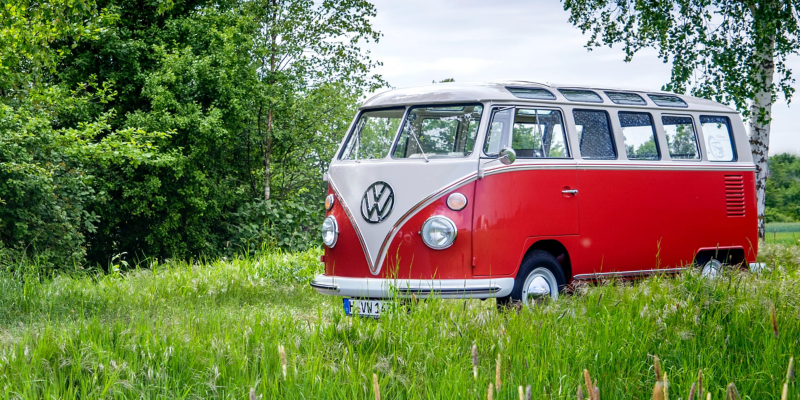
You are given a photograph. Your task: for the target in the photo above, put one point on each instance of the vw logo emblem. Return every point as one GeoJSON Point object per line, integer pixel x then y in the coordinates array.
{"type": "Point", "coordinates": [377, 203]}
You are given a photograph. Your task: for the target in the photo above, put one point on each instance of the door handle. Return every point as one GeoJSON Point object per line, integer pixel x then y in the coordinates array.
{"type": "Point", "coordinates": [570, 191]}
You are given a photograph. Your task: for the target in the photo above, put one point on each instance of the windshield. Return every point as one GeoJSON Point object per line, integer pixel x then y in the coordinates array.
{"type": "Point", "coordinates": [373, 135]}
{"type": "Point", "coordinates": [439, 132]}
{"type": "Point", "coordinates": [428, 132]}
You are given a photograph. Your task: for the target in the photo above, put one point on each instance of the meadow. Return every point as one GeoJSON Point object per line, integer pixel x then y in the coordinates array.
{"type": "Point", "coordinates": [251, 327]}
{"type": "Point", "coordinates": [783, 232]}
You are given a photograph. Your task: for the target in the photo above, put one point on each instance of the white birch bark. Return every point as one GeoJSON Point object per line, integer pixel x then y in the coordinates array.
{"type": "Point", "coordinates": [760, 118]}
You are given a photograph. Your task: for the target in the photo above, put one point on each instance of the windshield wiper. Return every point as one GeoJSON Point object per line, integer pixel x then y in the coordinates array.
{"type": "Point", "coordinates": [414, 135]}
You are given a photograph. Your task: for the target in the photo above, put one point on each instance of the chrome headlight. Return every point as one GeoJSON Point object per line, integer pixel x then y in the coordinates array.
{"type": "Point", "coordinates": [330, 231]}
{"type": "Point", "coordinates": [439, 232]}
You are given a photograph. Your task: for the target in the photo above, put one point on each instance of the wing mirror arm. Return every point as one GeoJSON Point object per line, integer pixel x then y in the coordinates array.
{"type": "Point", "coordinates": [507, 156]}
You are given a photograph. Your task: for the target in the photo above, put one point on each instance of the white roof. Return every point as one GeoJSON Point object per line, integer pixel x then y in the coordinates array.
{"type": "Point", "coordinates": [453, 92]}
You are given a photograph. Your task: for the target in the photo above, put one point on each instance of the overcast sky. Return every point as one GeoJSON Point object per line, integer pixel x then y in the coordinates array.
{"type": "Point", "coordinates": [471, 40]}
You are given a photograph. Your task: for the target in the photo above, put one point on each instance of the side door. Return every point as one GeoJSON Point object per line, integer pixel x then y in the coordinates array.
{"type": "Point", "coordinates": [535, 196]}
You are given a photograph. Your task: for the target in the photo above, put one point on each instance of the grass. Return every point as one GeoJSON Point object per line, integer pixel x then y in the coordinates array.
{"type": "Point", "coordinates": [214, 330]}
{"type": "Point", "coordinates": [783, 232]}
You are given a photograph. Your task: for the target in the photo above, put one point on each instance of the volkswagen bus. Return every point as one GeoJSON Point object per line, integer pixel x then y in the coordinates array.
{"type": "Point", "coordinates": [515, 190]}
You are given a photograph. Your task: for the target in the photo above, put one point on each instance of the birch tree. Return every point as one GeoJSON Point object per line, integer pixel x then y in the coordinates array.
{"type": "Point", "coordinates": [734, 52]}
{"type": "Point", "coordinates": [301, 44]}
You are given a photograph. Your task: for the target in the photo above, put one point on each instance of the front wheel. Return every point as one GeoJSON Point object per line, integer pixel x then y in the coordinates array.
{"type": "Point", "coordinates": [539, 276]}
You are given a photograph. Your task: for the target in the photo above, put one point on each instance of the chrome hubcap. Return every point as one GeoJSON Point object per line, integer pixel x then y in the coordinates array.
{"type": "Point", "coordinates": [711, 270]}
{"type": "Point", "coordinates": [540, 284]}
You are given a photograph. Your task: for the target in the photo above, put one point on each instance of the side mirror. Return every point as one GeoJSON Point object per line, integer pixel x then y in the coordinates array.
{"type": "Point", "coordinates": [507, 156]}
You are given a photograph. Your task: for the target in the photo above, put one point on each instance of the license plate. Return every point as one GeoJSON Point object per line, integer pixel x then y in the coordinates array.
{"type": "Point", "coordinates": [366, 308]}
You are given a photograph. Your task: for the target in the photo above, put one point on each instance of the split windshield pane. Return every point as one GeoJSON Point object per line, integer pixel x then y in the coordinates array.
{"type": "Point", "coordinates": [439, 132]}
{"type": "Point", "coordinates": [373, 135]}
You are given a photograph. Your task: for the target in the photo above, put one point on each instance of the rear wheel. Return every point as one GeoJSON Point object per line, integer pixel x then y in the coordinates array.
{"type": "Point", "coordinates": [539, 277]}
{"type": "Point", "coordinates": [712, 269]}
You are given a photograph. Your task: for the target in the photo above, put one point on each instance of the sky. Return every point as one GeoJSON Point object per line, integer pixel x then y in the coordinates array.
{"type": "Point", "coordinates": [471, 40]}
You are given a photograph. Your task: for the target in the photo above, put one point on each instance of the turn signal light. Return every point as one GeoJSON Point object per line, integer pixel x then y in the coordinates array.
{"type": "Point", "coordinates": [456, 201]}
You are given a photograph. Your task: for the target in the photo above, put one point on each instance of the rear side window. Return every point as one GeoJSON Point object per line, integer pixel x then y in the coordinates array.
{"type": "Point", "coordinates": [539, 134]}
{"type": "Point", "coordinates": [717, 134]}
{"type": "Point", "coordinates": [681, 138]}
{"type": "Point", "coordinates": [373, 135]}
{"type": "Point", "coordinates": [640, 136]}
{"type": "Point", "coordinates": [439, 132]}
{"type": "Point", "coordinates": [594, 134]}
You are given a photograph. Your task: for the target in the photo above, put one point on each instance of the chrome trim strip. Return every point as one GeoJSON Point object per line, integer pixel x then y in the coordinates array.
{"type": "Point", "coordinates": [322, 286]}
{"type": "Point", "coordinates": [628, 274]}
{"type": "Point", "coordinates": [665, 166]}
{"type": "Point", "coordinates": [464, 290]}
{"type": "Point", "coordinates": [376, 288]}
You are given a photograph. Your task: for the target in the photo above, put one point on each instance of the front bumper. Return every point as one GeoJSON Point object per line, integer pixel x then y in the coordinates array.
{"type": "Point", "coordinates": [375, 288]}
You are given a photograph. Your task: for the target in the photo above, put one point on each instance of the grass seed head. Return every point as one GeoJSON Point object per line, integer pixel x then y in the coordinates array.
{"type": "Point", "coordinates": [475, 360]}
{"type": "Point", "coordinates": [692, 390]}
{"type": "Point", "coordinates": [282, 354]}
{"type": "Point", "coordinates": [490, 392]}
{"type": "Point", "coordinates": [375, 387]}
{"type": "Point", "coordinates": [497, 369]}
{"type": "Point", "coordinates": [700, 385]}
{"type": "Point", "coordinates": [528, 392]}
{"type": "Point", "coordinates": [732, 393]}
{"type": "Point", "coordinates": [790, 370]}
{"type": "Point", "coordinates": [580, 393]}
{"type": "Point", "coordinates": [774, 319]}
{"type": "Point", "coordinates": [658, 391]}
{"type": "Point", "coordinates": [595, 391]}
{"type": "Point", "coordinates": [785, 392]}
{"type": "Point", "coordinates": [657, 366]}
{"type": "Point", "coordinates": [252, 394]}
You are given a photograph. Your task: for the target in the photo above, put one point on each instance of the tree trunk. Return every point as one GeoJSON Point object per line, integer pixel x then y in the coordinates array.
{"type": "Point", "coordinates": [760, 119]}
{"type": "Point", "coordinates": [270, 113]}
{"type": "Point", "coordinates": [267, 153]}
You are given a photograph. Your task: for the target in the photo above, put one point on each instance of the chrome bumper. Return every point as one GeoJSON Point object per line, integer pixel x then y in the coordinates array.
{"type": "Point", "coordinates": [375, 288]}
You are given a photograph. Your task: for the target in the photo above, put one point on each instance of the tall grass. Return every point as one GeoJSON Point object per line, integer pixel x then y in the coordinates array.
{"type": "Point", "coordinates": [230, 328]}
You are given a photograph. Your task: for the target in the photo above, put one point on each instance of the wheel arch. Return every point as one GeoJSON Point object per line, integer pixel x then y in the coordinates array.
{"type": "Point", "coordinates": [555, 248]}
{"type": "Point", "coordinates": [733, 255]}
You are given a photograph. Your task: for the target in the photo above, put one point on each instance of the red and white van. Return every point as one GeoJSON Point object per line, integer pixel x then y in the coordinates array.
{"type": "Point", "coordinates": [516, 189]}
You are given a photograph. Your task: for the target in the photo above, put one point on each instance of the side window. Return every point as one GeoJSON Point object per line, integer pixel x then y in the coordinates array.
{"type": "Point", "coordinates": [640, 136]}
{"type": "Point", "coordinates": [681, 138]}
{"type": "Point", "coordinates": [717, 133]}
{"type": "Point", "coordinates": [373, 135]}
{"type": "Point", "coordinates": [594, 134]}
{"type": "Point", "coordinates": [539, 134]}
{"type": "Point", "coordinates": [498, 130]}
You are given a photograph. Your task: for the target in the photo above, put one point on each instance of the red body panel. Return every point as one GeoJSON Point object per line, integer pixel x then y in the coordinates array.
{"type": "Point", "coordinates": [650, 219]}
{"type": "Point", "coordinates": [629, 219]}
{"type": "Point", "coordinates": [513, 206]}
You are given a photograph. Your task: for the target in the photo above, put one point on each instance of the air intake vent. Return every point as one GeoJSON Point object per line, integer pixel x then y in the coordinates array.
{"type": "Point", "coordinates": [734, 195]}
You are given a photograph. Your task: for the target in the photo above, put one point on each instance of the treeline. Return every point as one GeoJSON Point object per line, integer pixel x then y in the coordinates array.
{"type": "Point", "coordinates": [171, 128]}
{"type": "Point", "coordinates": [783, 189]}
